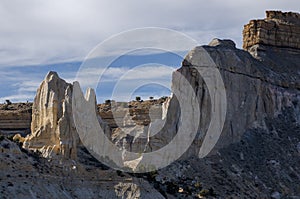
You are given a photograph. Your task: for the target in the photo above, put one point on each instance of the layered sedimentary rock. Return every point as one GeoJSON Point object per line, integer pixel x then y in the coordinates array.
{"type": "Point", "coordinates": [281, 29]}
{"type": "Point", "coordinates": [139, 112]}
{"type": "Point", "coordinates": [131, 120]}
{"type": "Point", "coordinates": [15, 116]}
{"type": "Point", "coordinates": [52, 127]}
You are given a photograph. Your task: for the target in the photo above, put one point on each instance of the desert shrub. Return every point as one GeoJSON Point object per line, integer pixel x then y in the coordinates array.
{"type": "Point", "coordinates": [137, 98]}
{"type": "Point", "coordinates": [164, 98]}
{"type": "Point", "coordinates": [120, 173]}
{"type": "Point", "coordinates": [11, 138]}
{"type": "Point", "coordinates": [204, 192]}
{"type": "Point", "coordinates": [8, 102]}
{"type": "Point", "coordinates": [207, 192]}
{"type": "Point", "coordinates": [198, 185]}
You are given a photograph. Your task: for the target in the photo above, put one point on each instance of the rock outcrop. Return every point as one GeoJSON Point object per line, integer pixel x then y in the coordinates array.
{"type": "Point", "coordinates": [131, 120]}
{"type": "Point", "coordinates": [256, 88]}
{"type": "Point", "coordinates": [15, 116]}
{"type": "Point", "coordinates": [140, 113]}
{"type": "Point", "coordinates": [280, 29]}
{"type": "Point", "coordinates": [52, 126]}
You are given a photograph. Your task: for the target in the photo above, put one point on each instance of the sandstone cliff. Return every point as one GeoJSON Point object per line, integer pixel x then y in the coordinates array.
{"type": "Point", "coordinates": [281, 29]}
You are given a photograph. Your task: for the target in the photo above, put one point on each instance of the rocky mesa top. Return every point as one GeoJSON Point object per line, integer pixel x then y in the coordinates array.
{"type": "Point", "coordinates": [280, 29]}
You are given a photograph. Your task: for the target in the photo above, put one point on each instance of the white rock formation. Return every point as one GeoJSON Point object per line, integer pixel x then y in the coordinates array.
{"type": "Point", "coordinates": [52, 126]}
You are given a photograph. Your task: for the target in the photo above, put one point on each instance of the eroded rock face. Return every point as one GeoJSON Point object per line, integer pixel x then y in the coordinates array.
{"type": "Point", "coordinates": [281, 29]}
{"type": "Point", "coordinates": [255, 88]}
{"type": "Point", "coordinates": [15, 116]}
{"type": "Point", "coordinates": [129, 121]}
{"type": "Point", "coordinates": [52, 126]}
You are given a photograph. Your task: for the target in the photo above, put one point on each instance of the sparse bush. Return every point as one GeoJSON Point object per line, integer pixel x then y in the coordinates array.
{"type": "Point", "coordinates": [198, 185]}
{"type": "Point", "coordinates": [8, 102]}
{"type": "Point", "coordinates": [204, 192]}
{"type": "Point", "coordinates": [120, 173]}
{"type": "Point", "coordinates": [151, 98]}
{"type": "Point", "coordinates": [151, 176]}
{"type": "Point", "coordinates": [11, 138]}
{"type": "Point", "coordinates": [164, 98]}
{"type": "Point", "coordinates": [137, 98]}
{"type": "Point", "coordinates": [107, 101]}
{"type": "Point", "coordinates": [207, 192]}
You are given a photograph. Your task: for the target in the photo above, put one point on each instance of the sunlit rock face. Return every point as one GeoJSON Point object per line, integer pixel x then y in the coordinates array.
{"type": "Point", "coordinates": [257, 87]}
{"type": "Point", "coordinates": [52, 126]}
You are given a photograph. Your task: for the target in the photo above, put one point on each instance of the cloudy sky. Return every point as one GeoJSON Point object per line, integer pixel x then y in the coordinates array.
{"type": "Point", "coordinates": [37, 36]}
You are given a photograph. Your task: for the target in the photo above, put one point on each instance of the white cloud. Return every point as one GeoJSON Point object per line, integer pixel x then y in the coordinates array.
{"type": "Point", "coordinates": [38, 32]}
{"type": "Point", "coordinates": [28, 85]}
{"type": "Point", "coordinates": [41, 32]}
{"type": "Point", "coordinates": [143, 72]}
